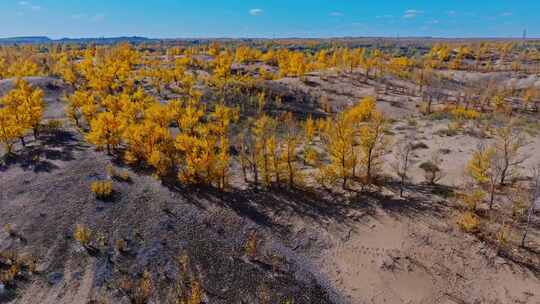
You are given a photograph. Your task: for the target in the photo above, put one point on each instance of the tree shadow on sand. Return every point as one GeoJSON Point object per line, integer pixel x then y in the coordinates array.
{"type": "Point", "coordinates": [273, 207]}
{"type": "Point", "coordinates": [39, 156]}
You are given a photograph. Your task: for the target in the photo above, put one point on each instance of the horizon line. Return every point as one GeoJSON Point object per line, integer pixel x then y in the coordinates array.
{"type": "Point", "coordinates": [265, 37]}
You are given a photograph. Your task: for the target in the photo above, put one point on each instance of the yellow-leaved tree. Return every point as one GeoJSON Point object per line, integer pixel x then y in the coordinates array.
{"type": "Point", "coordinates": [10, 131]}
{"type": "Point", "coordinates": [26, 106]}
{"type": "Point", "coordinates": [290, 144]}
{"type": "Point", "coordinates": [485, 168]}
{"type": "Point", "coordinates": [372, 143]}
{"type": "Point", "coordinates": [353, 138]}
{"type": "Point", "coordinates": [149, 142]}
{"type": "Point", "coordinates": [264, 129]}
{"type": "Point", "coordinates": [105, 131]}
{"type": "Point", "coordinates": [220, 121]}
{"type": "Point", "coordinates": [81, 105]}
{"type": "Point", "coordinates": [339, 142]}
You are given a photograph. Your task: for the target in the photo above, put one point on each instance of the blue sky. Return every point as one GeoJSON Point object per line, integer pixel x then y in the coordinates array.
{"type": "Point", "coordinates": [269, 18]}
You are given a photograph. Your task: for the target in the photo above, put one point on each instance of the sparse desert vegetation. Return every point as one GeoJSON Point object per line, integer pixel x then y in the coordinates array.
{"type": "Point", "coordinates": [270, 171]}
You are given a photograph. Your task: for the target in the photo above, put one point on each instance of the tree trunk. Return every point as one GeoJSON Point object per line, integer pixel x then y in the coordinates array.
{"type": "Point", "coordinates": [256, 175]}
{"type": "Point", "coordinates": [491, 195]}
{"type": "Point", "coordinates": [402, 184]}
{"type": "Point", "coordinates": [344, 172]}
{"type": "Point", "coordinates": [525, 234]}
{"type": "Point", "coordinates": [503, 174]}
{"type": "Point", "coordinates": [368, 173]}
{"type": "Point", "coordinates": [291, 170]}
{"type": "Point", "coordinates": [266, 166]}
{"type": "Point", "coordinates": [244, 172]}
{"type": "Point", "coordinates": [531, 211]}
{"type": "Point", "coordinates": [36, 132]}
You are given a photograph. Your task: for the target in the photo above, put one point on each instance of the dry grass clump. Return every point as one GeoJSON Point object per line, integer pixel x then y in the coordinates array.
{"type": "Point", "coordinates": [462, 113]}
{"type": "Point", "coordinates": [82, 234]}
{"type": "Point", "coordinates": [196, 293]}
{"type": "Point", "coordinates": [53, 125]}
{"type": "Point", "coordinates": [9, 275]}
{"type": "Point", "coordinates": [15, 266]}
{"type": "Point", "coordinates": [8, 228]}
{"type": "Point", "coordinates": [120, 245]}
{"type": "Point", "coordinates": [251, 245]}
{"type": "Point", "coordinates": [469, 222]}
{"type": "Point", "coordinates": [432, 172]}
{"type": "Point", "coordinates": [118, 175]}
{"type": "Point", "coordinates": [102, 189]}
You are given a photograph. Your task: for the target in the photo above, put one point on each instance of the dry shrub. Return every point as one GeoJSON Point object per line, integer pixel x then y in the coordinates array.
{"type": "Point", "coordinates": [251, 245]}
{"type": "Point", "coordinates": [82, 235]}
{"type": "Point", "coordinates": [452, 129]}
{"type": "Point", "coordinates": [8, 276]}
{"type": "Point", "coordinates": [8, 228]}
{"type": "Point", "coordinates": [196, 293]}
{"type": "Point", "coordinates": [126, 284]}
{"type": "Point", "coordinates": [411, 121]}
{"type": "Point", "coordinates": [53, 125]}
{"type": "Point", "coordinates": [144, 289]}
{"type": "Point", "coordinates": [324, 104]}
{"type": "Point", "coordinates": [311, 156]}
{"type": "Point", "coordinates": [472, 199]}
{"type": "Point", "coordinates": [461, 113]}
{"type": "Point", "coordinates": [102, 189]}
{"type": "Point", "coordinates": [120, 245]}
{"type": "Point", "coordinates": [432, 172]}
{"type": "Point", "coordinates": [264, 294]}
{"type": "Point", "coordinates": [8, 256]}
{"type": "Point", "coordinates": [30, 262]}
{"type": "Point", "coordinates": [469, 222]}
{"type": "Point", "coordinates": [277, 261]}
{"type": "Point", "coordinates": [183, 262]}
{"type": "Point", "coordinates": [503, 235]}
{"type": "Point", "coordinates": [118, 175]}
{"type": "Point", "coordinates": [123, 176]}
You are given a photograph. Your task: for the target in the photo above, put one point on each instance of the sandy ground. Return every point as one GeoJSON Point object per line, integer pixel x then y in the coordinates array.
{"type": "Point", "coordinates": [399, 259]}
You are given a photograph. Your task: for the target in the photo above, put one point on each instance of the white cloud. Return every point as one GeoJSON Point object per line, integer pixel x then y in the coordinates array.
{"type": "Point", "coordinates": [256, 12]}
{"type": "Point", "coordinates": [384, 17]}
{"type": "Point", "coordinates": [97, 18]}
{"type": "Point", "coordinates": [412, 13]}
{"type": "Point", "coordinates": [30, 6]}
{"type": "Point", "coordinates": [336, 14]}
{"type": "Point", "coordinates": [506, 14]}
{"type": "Point", "coordinates": [451, 13]}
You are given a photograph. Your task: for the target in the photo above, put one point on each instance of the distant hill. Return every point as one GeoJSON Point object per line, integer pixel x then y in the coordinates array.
{"type": "Point", "coordinates": [47, 40]}
{"type": "Point", "coordinates": [349, 41]}
{"type": "Point", "coordinates": [25, 40]}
